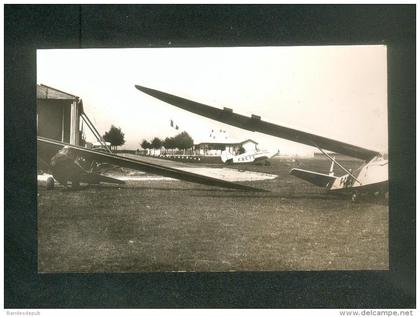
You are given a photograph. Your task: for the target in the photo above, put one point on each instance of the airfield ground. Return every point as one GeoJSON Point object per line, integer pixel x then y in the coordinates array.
{"type": "Point", "coordinates": [166, 225]}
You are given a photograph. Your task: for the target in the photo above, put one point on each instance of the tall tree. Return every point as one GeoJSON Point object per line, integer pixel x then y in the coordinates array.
{"type": "Point", "coordinates": [183, 141]}
{"type": "Point", "coordinates": [115, 136]}
{"type": "Point", "coordinates": [156, 143]}
{"type": "Point", "coordinates": [145, 145]}
{"type": "Point", "coordinates": [169, 143]}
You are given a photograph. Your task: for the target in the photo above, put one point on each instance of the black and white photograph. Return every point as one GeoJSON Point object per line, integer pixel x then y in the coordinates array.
{"type": "Point", "coordinates": [209, 156]}
{"type": "Point", "coordinates": [212, 159]}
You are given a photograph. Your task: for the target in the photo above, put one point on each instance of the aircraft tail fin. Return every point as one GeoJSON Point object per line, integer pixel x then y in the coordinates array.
{"type": "Point", "coordinates": [318, 179]}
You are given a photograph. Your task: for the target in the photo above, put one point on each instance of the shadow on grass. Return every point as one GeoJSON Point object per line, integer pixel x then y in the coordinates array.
{"type": "Point", "coordinates": [276, 195]}
{"type": "Point", "coordinates": [215, 192]}
{"type": "Point", "coordinates": [306, 196]}
{"type": "Point", "coordinates": [107, 188]}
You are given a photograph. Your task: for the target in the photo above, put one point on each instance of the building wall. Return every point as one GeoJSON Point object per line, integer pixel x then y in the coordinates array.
{"type": "Point", "coordinates": [216, 149]}
{"type": "Point", "coordinates": [53, 119]}
{"type": "Point", "coordinates": [59, 119]}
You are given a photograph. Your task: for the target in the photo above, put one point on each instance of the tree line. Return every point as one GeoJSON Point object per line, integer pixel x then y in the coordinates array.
{"type": "Point", "coordinates": [181, 141]}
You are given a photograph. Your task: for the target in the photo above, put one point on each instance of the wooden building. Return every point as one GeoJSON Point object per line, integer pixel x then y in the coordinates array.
{"type": "Point", "coordinates": [58, 115]}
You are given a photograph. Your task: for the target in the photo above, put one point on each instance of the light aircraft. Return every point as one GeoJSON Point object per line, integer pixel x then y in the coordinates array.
{"type": "Point", "coordinates": [370, 178]}
{"type": "Point", "coordinates": [66, 166]}
{"type": "Point", "coordinates": [247, 157]}
{"type": "Point", "coordinates": [75, 164]}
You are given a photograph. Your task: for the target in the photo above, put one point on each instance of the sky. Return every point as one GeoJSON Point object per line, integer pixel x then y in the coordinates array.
{"type": "Point", "coordinates": [339, 92]}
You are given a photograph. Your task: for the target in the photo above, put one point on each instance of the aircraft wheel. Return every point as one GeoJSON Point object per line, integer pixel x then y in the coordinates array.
{"type": "Point", "coordinates": [50, 183]}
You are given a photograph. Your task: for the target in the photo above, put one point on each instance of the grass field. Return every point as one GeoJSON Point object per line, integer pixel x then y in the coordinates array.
{"type": "Point", "coordinates": [164, 225]}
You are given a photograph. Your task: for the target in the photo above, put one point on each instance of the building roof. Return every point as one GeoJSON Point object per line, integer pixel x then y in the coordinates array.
{"type": "Point", "coordinates": [249, 140]}
{"type": "Point", "coordinates": [232, 142]}
{"type": "Point", "coordinates": [46, 92]}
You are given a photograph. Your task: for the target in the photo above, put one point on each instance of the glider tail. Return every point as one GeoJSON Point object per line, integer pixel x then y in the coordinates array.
{"type": "Point", "coordinates": [318, 179]}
